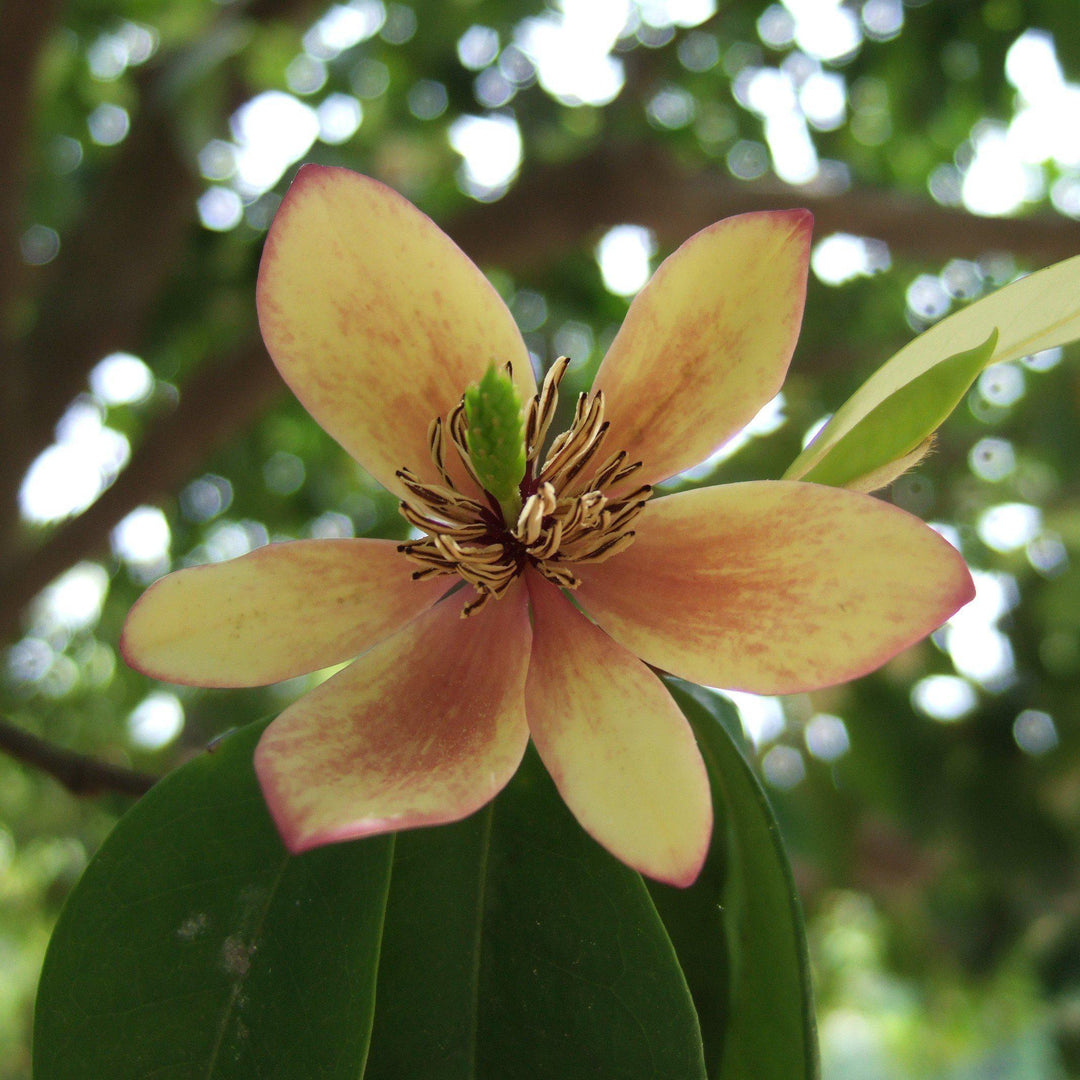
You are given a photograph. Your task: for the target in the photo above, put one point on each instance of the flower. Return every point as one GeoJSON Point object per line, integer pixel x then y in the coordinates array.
{"type": "Point", "coordinates": [379, 324]}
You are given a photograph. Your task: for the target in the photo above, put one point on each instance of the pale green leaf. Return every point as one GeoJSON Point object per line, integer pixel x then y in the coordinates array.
{"type": "Point", "coordinates": [902, 422]}
{"type": "Point", "coordinates": [1037, 312]}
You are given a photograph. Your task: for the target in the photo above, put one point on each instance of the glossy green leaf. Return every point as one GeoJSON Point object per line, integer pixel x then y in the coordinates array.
{"type": "Point", "coordinates": [196, 946]}
{"type": "Point", "coordinates": [516, 947]}
{"type": "Point", "coordinates": [1039, 311]}
{"type": "Point", "coordinates": [903, 421]}
{"type": "Point", "coordinates": [739, 930]}
{"type": "Point", "coordinates": [508, 945]}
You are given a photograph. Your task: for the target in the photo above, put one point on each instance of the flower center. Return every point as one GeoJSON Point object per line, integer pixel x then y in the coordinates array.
{"type": "Point", "coordinates": [570, 511]}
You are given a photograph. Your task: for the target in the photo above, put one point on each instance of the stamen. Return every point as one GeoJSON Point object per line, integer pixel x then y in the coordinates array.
{"type": "Point", "coordinates": [623, 473]}
{"type": "Point", "coordinates": [437, 447]}
{"type": "Point", "coordinates": [541, 409]}
{"type": "Point", "coordinates": [473, 606]}
{"type": "Point", "coordinates": [430, 572]}
{"type": "Point", "coordinates": [586, 429]}
{"type": "Point", "coordinates": [567, 517]}
{"type": "Point", "coordinates": [550, 544]}
{"type": "Point", "coordinates": [612, 547]}
{"type": "Point", "coordinates": [559, 575]}
{"type": "Point", "coordinates": [458, 424]}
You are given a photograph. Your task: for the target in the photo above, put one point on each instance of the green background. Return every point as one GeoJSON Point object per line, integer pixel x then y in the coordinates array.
{"type": "Point", "coordinates": [935, 860]}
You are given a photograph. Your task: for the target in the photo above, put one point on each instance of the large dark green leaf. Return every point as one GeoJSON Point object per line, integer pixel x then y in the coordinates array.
{"type": "Point", "coordinates": [517, 947]}
{"type": "Point", "coordinates": [514, 946]}
{"type": "Point", "coordinates": [196, 946]}
{"type": "Point", "coordinates": [739, 931]}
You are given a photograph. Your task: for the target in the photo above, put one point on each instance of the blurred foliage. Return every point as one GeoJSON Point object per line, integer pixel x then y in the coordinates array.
{"type": "Point", "coordinates": [936, 857]}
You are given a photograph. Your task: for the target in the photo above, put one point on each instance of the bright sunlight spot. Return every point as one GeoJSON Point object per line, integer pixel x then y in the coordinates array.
{"type": "Point", "coordinates": [69, 475]}
{"type": "Point", "coordinates": [572, 49]}
{"type": "Point", "coordinates": [73, 601]}
{"type": "Point", "coordinates": [623, 254]}
{"type": "Point", "coordinates": [762, 717]}
{"type": "Point", "coordinates": [978, 649]}
{"type": "Point", "coordinates": [1009, 526]}
{"type": "Point", "coordinates": [842, 257]}
{"type": "Point", "coordinates": [491, 147]}
{"type": "Point", "coordinates": [156, 720]}
{"type": "Point", "coordinates": [121, 379]}
{"type": "Point", "coordinates": [944, 697]}
{"type": "Point", "coordinates": [271, 132]}
{"type": "Point", "coordinates": [142, 539]}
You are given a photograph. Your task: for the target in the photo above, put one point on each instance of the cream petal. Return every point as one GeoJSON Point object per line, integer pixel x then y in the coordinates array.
{"type": "Point", "coordinates": [621, 753]}
{"type": "Point", "coordinates": [423, 729]}
{"type": "Point", "coordinates": [707, 342]}
{"type": "Point", "coordinates": [774, 587]}
{"type": "Point", "coordinates": [376, 319]}
{"type": "Point", "coordinates": [282, 610]}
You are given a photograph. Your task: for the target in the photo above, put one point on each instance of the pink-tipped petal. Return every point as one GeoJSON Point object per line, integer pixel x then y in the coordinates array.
{"type": "Point", "coordinates": [774, 587]}
{"type": "Point", "coordinates": [282, 610]}
{"type": "Point", "coordinates": [619, 750]}
{"type": "Point", "coordinates": [376, 319]}
{"type": "Point", "coordinates": [707, 342]}
{"type": "Point", "coordinates": [423, 729]}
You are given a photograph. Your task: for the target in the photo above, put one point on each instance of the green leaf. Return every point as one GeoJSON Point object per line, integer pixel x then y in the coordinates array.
{"type": "Point", "coordinates": [738, 930]}
{"type": "Point", "coordinates": [509, 945]}
{"type": "Point", "coordinates": [1039, 311]}
{"type": "Point", "coordinates": [516, 947]}
{"type": "Point", "coordinates": [903, 421]}
{"type": "Point", "coordinates": [196, 946]}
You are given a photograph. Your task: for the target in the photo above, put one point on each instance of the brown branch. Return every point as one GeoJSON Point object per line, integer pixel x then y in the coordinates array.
{"type": "Point", "coordinates": [27, 24]}
{"type": "Point", "coordinates": [80, 774]}
{"type": "Point", "coordinates": [224, 397]}
{"type": "Point", "coordinates": [124, 247]}
{"type": "Point", "coordinates": [554, 209]}
{"type": "Point", "coordinates": [26, 27]}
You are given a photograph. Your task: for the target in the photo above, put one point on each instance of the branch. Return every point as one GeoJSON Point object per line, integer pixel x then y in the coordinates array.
{"type": "Point", "coordinates": [558, 208]}
{"type": "Point", "coordinates": [554, 209]}
{"type": "Point", "coordinates": [27, 24]}
{"type": "Point", "coordinates": [26, 28]}
{"type": "Point", "coordinates": [222, 398]}
{"type": "Point", "coordinates": [114, 264]}
{"type": "Point", "coordinates": [80, 774]}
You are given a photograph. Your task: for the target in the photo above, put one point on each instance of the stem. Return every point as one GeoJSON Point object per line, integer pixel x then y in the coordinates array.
{"type": "Point", "coordinates": [80, 774]}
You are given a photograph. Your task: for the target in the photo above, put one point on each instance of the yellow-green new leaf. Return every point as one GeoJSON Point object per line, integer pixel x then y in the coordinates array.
{"type": "Point", "coordinates": [898, 429]}
{"type": "Point", "coordinates": [1037, 312]}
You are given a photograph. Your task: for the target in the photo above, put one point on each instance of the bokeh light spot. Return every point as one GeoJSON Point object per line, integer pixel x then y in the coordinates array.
{"type": "Point", "coordinates": [1034, 732]}
{"type": "Point", "coordinates": [623, 254]}
{"type": "Point", "coordinates": [155, 721]}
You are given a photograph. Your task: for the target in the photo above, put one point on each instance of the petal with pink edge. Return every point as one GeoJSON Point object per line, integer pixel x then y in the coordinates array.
{"type": "Point", "coordinates": [707, 342]}
{"type": "Point", "coordinates": [774, 587]}
{"type": "Point", "coordinates": [282, 610]}
{"type": "Point", "coordinates": [423, 729]}
{"type": "Point", "coordinates": [376, 319]}
{"type": "Point", "coordinates": [619, 750]}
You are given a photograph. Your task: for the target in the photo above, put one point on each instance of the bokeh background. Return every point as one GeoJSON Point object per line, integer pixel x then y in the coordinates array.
{"type": "Point", "coordinates": [932, 810]}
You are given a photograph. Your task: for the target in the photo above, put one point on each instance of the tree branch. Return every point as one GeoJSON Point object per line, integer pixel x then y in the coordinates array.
{"type": "Point", "coordinates": [557, 208]}
{"type": "Point", "coordinates": [224, 397]}
{"type": "Point", "coordinates": [26, 27]}
{"type": "Point", "coordinates": [80, 774]}
{"type": "Point", "coordinates": [554, 209]}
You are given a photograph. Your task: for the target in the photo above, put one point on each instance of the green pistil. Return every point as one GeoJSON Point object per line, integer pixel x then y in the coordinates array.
{"type": "Point", "coordinates": [496, 439]}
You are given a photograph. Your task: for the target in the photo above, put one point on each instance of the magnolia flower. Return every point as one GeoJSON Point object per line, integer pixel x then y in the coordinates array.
{"type": "Point", "coordinates": [540, 610]}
